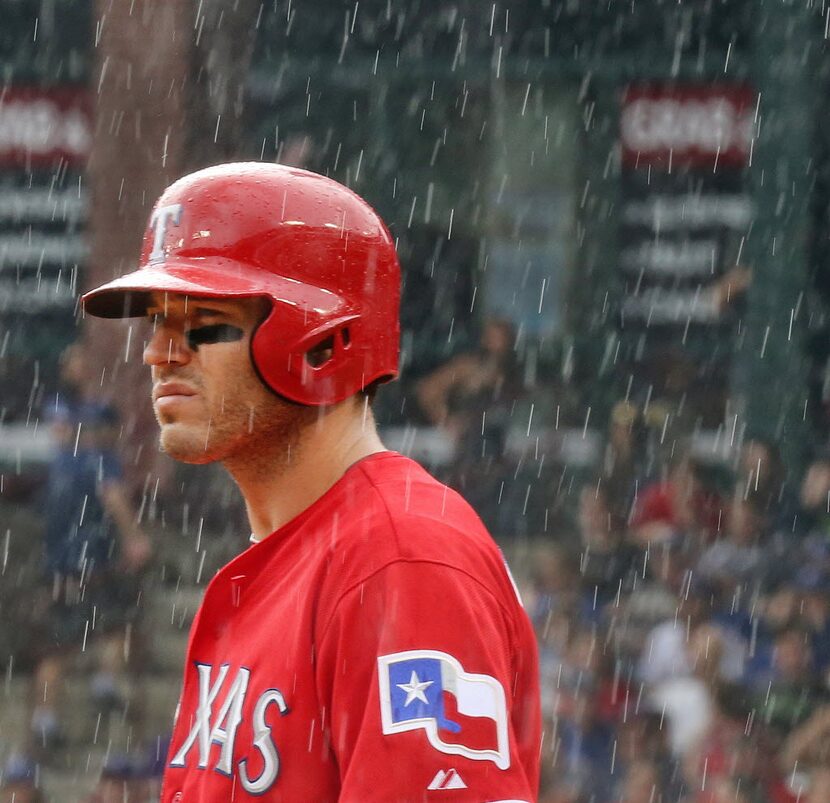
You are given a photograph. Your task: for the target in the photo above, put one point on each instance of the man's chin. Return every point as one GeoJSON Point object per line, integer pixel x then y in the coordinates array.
{"type": "Point", "coordinates": [184, 447]}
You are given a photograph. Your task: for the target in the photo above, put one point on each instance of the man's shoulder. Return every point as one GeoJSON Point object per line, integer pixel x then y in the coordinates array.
{"type": "Point", "coordinates": [405, 514]}
{"type": "Point", "coordinates": [414, 506]}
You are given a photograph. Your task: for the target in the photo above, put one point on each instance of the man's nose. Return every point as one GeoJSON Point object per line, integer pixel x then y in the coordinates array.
{"type": "Point", "coordinates": [166, 345]}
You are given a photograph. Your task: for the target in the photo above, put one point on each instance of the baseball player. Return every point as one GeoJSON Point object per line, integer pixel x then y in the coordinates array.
{"type": "Point", "coordinates": [369, 645]}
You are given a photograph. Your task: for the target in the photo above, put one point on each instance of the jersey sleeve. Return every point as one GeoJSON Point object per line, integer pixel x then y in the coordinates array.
{"type": "Point", "coordinates": [431, 687]}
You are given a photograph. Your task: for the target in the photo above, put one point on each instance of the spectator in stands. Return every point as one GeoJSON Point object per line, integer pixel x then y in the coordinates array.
{"type": "Point", "coordinates": [814, 516]}
{"type": "Point", "coordinates": [818, 784]}
{"type": "Point", "coordinates": [813, 586]}
{"type": "Point", "coordinates": [472, 394]}
{"type": "Point", "coordinates": [643, 735]}
{"type": "Point", "coordinates": [814, 501]}
{"type": "Point", "coordinates": [734, 564]}
{"type": "Point", "coordinates": [761, 473]}
{"type": "Point", "coordinates": [607, 562]}
{"type": "Point", "coordinates": [553, 605]}
{"type": "Point", "coordinates": [554, 585]}
{"type": "Point", "coordinates": [809, 743]}
{"type": "Point", "coordinates": [687, 696]}
{"type": "Point", "coordinates": [807, 750]}
{"type": "Point", "coordinates": [792, 689]}
{"type": "Point", "coordinates": [582, 750]}
{"type": "Point", "coordinates": [124, 779]}
{"type": "Point", "coordinates": [653, 598]}
{"type": "Point", "coordinates": [722, 789]}
{"type": "Point", "coordinates": [735, 749]}
{"type": "Point", "coordinates": [801, 602]}
{"type": "Point", "coordinates": [624, 463]}
{"type": "Point", "coordinates": [471, 398]}
{"type": "Point", "coordinates": [684, 662]}
{"type": "Point", "coordinates": [94, 553]}
{"type": "Point", "coordinates": [20, 782]}
{"type": "Point", "coordinates": [680, 504]}
{"type": "Point", "coordinates": [641, 782]}
{"type": "Point", "coordinates": [773, 613]}
{"type": "Point", "coordinates": [79, 397]}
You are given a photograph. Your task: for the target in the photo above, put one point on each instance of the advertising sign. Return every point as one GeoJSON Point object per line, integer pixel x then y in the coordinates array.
{"type": "Point", "coordinates": [42, 127]}
{"type": "Point", "coordinates": [685, 212]}
{"type": "Point", "coordinates": [45, 139]}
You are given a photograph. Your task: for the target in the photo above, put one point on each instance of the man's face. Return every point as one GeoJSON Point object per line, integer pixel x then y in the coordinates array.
{"type": "Point", "coordinates": [207, 397]}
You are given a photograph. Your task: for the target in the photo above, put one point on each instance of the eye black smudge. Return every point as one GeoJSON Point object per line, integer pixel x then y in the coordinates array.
{"type": "Point", "coordinates": [213, 333]}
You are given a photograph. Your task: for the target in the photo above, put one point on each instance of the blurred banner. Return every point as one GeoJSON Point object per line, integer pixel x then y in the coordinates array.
{"type": "Point", "coordinates": [45, 140]}
{"type": "Point", "coordinates": [684, 217]}
{"type": "Point", "coordinates": [39, 127]}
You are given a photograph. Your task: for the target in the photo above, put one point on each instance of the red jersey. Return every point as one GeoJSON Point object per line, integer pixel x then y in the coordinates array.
{"type": "Point", "coordinates": [372, 649]}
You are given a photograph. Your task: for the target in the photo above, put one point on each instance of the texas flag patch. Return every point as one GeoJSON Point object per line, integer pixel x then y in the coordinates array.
{"type": "Point", "coordinates": [462, 713]}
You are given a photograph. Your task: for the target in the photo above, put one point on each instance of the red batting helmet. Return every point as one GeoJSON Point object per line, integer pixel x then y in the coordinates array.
{"type": "Point", "coordinates": [315, 248]}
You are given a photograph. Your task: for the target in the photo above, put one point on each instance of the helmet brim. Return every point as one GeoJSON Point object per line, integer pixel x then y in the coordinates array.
{"type": "Point", "coordinates": [129, 296]}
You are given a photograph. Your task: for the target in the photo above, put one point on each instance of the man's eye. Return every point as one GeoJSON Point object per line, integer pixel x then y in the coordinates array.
{"type": "Point", "coordinates": [213, 333]}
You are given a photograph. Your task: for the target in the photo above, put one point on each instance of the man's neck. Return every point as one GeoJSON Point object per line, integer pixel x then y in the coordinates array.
{"type": "Point", "coordinates": [282, 485]}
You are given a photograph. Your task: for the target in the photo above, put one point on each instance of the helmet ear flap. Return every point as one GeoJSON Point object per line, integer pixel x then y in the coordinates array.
{"type": "Point", "coordinates": [315, 368]}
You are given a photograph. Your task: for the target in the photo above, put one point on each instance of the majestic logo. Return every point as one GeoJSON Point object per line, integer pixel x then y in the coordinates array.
{"type": "Point", "coordinates": [221, 730]}
{"type": "Point", "coordinates": [462, 713]}
{"type": "Point", "coordinates": [447, 779]}
{"type": "Point", "coordinates": [158, 223]}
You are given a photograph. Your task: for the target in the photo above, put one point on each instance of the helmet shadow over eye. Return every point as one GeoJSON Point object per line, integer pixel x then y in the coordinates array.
{"type": "Point", "coordinates": [213, 333]}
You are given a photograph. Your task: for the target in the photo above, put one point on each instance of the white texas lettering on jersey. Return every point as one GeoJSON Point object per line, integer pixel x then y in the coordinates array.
{"type": "Point", "coordinates": [265, 745]}
{"type": "Point", "coordinates": [222, 729]}
{"type": "Point", "coordinates": [158, 222]}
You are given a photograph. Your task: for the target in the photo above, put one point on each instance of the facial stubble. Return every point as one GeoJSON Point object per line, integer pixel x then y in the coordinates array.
{"type": "Point", "coordinates": [255, 430]}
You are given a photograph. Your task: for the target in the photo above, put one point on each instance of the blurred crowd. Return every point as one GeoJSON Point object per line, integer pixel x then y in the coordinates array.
{"type": "Point", "coordinates": [684, 632]}
{"type": "Point", "coordinates": [681, 598]}
{"type": "Point", "coordinates": [82, 597]}
{"type": "Point", "coordinates": [124, 778]}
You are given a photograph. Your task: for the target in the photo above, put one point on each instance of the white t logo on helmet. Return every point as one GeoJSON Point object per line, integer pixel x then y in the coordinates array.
{"type": "Point", "coordinates": [158, 222]}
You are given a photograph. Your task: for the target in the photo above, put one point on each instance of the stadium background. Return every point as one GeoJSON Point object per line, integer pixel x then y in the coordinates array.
{"type": "Point", "coordinates": [527, 156]}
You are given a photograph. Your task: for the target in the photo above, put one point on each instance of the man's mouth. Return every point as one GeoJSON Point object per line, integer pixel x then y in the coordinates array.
{"type": "Point", "coordinates": [168, 393]}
